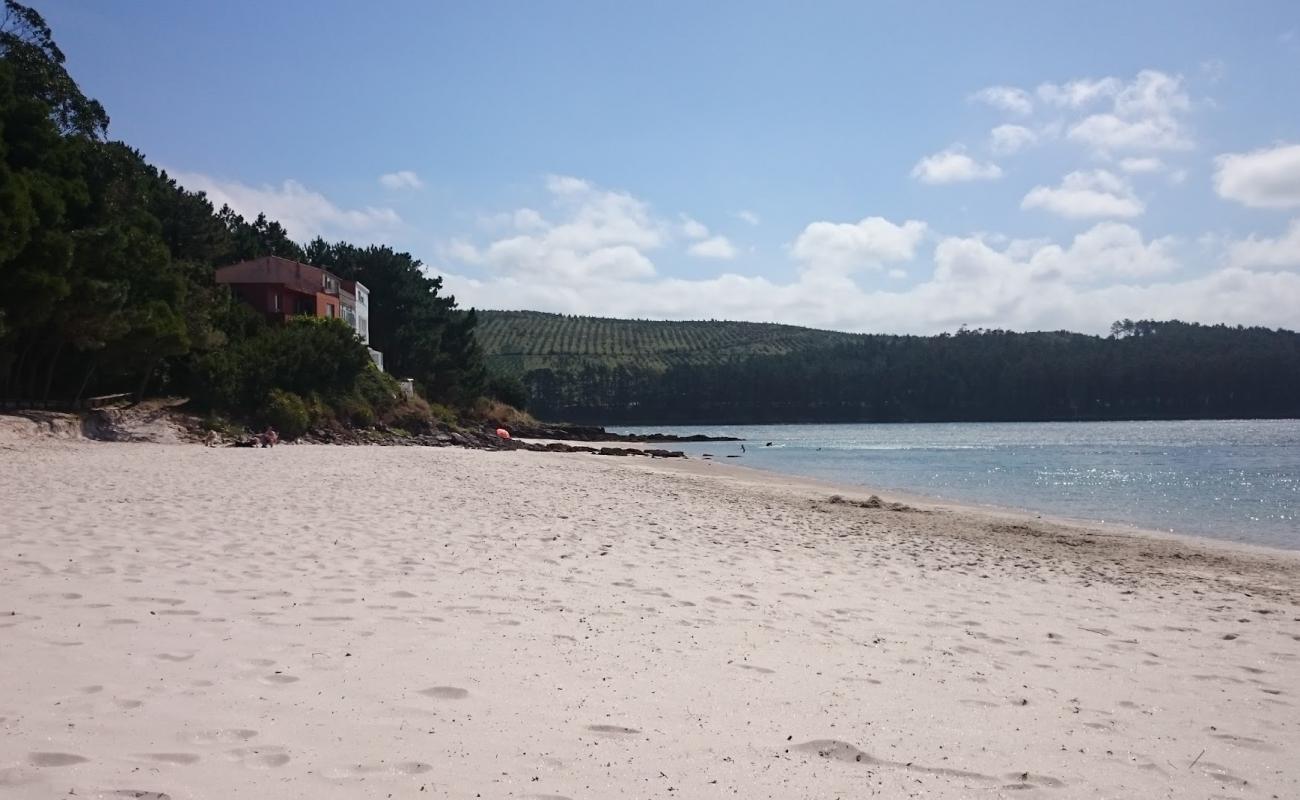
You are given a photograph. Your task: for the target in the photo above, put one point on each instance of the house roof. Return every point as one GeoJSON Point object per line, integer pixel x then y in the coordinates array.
{"type": "Point", "coordinates": [274, 269]}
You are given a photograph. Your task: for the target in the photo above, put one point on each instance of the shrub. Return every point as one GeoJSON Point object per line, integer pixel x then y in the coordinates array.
{"type": "Point", "coordinates": [223, 426]}
{"type": "Point", "coordinates": [379, 389]}
{"type": "Point", "coordinates": [509, 389]}
{"type": "Point", "coordinates": [287, 413]}
{"type": "Point", "coordinates": [303, 356]}
{"type": "Point", "coordinates": [501, 414]}
{"type": "Point", "coordinates": [355, 410]}
{"type": "Point", "coordinates": [413, 414]}
{"type": "Point", "coordinates": [444, 415]}
{"type": "Point", "coordinates": [319, 412]}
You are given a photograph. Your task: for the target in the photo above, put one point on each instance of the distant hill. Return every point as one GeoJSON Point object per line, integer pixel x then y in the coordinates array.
{"type": "Point", "coordinates": [611, 371]}
{"type": "Point", "coordinates": [517, 342]}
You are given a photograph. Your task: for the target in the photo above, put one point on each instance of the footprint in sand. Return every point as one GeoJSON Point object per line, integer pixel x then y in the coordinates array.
{"type": "Point", "coordinates": [756, 668]}
{"type": "Point", "coordinates": [166, 601]}
{"type": "Point", "coordinates": [836, 750]}
{"type": "Point", "coordinates": [279, 679]}
{"type": "Point", "coordinates": [170, 758]}
{"type": "Point", "coordinates": [395, 769]}
{"type": "Point", "coordinates": [445, 692]}
{"type": "Point", "coordinates": [1247, 742]}
{"type": "Point", "coordinates": [616, 730]}
{"type": "Point", "coordinates": [261, 757]}
{"type": "Point", "coordinates": [221, 736]}
{"type": "Point", "coordinates": [55, 759]}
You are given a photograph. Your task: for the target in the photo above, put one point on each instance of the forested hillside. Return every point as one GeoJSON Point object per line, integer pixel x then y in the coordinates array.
{"type": "Point", "coordinates": [590, 370]}
{"type": "Point", "coordinates": [108, 268]}
{"type": "Point", "coordinates": [522, 341]}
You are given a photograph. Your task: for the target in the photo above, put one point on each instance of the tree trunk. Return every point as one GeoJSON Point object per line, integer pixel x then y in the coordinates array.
{"type": "Point", "coordinates": [144, 382]}
{"type": "Point", "coordinates": [16, 371]}
{"type": "Point", "coordinates": [49, 371]}
{"type": "Point", "coordinates": [94, 364]}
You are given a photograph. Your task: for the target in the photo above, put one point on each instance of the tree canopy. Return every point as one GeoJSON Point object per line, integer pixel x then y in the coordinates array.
{"type": "Point", "coordinates": [108, 266]}
{"type": "Point", "coordinates": [588, 370]}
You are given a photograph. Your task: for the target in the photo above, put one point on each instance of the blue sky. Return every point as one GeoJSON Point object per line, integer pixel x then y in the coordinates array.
{"type": "Point", "coordinates": [906, 167]}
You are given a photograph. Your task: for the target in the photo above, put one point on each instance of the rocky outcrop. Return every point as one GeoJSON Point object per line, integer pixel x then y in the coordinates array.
{"type": "Point", "coordinates": [593, 433]}
{"type": "Point", "coordinates": [470, 438]}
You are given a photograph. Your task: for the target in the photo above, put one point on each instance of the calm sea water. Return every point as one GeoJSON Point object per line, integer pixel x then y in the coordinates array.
{"type": "Point", "coordinates": [1235, 479]}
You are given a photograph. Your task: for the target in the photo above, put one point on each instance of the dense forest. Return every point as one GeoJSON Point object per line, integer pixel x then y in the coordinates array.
{"type": "Point", "coordinates": [108, 268]}
{"type": "Point", "coordinates": [583, 369]}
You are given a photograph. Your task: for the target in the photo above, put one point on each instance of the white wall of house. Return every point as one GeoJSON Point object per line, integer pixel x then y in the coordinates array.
{"type": "Point", "coordinates": [363, 313]}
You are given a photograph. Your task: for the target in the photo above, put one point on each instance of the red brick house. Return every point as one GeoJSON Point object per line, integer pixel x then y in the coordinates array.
{"type": "Point", "coordinates": [281, 288]}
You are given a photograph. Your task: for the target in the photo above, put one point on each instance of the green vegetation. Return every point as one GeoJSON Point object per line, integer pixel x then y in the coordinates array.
{"type": "Point", "coordinates": [518, 342]}
{"type": "Point", "coordinates": [622, 371]}
{"type": "Point", "coordinates": [108, 269]}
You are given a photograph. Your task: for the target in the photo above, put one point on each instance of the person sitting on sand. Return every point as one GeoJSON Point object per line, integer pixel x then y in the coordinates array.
{"type": "Point", "coordinates": [210, 440]}
{"type": "Point", "coordinates": [269, 437]}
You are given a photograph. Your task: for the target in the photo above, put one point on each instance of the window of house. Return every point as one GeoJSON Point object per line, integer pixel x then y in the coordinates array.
{"type": "Point", "coordinates": [329, 310]}
{"type": "Point", "coordinates": [275, 301]}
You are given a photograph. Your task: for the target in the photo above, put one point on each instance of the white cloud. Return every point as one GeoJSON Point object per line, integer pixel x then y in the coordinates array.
{"type": "Point", "coordinates": [603, 236]}
{"type": "Point", "coordinates": [694, 229]}
{"type": "Point", "coordinates": [1086, 194]}
{"type": "Point", "coordinates": [1078, 93]}
{"type": "Point", "coordinates": [953, 166]}
{"type": "Point", "coordinates": [587, 234]}
{"type": "Point", "coordinates": [844, 247]}
{"type": "Point", "coordinates": [1107, 250]}
{"type": "Point", "coordinates": [714, 247]}
{"type": "Point", "coordinates": [1006, 98]}
{"type": "Point", "coordinates": [566, 185]}
{"type": "Point", "coordinates": [1265, 178]}
{"type": "Point", "coordinates": [1106, 273]}
{"type": "Point", "coordinates": [1152, 93]}
{"type": "Point", "coordinates": [1108, 132]}
{"type": "Point", "coordinates": [402, 179]}
{"type": "Point", "coordinates": [1282, 252]}
{"type": "Point", "coordinates": [1146, 115]}
{"type": "Point", "coordinates": [1142, 165]}
{"type": "Point", "coordinates": [305, 214]}
{"type": "Point", "coordinates": [1005, 140]}
{"type": "Point", "coordinates": [747, 216]}
{"type": "Point", "coordinates": [526, 219]}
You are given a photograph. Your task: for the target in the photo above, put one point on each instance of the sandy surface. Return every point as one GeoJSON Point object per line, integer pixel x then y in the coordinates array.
{"type": "Point", "coordinates": [347, 622]}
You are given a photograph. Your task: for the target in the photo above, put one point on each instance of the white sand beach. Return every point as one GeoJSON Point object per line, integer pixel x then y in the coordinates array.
{"type": "Point", "coordinates": [347, 622]}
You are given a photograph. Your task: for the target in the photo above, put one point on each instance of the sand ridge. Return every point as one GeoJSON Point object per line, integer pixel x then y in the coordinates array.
{"type": "Point", "coordinates": [181, 622]}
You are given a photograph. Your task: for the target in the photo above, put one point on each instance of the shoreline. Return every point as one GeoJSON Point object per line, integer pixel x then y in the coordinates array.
{"type": "Point", "coordinates": [993, 509]}
{"type": "Point", "coordinates": [741, 471]}
{"type": "Point", "coordinates": [1273, 531]}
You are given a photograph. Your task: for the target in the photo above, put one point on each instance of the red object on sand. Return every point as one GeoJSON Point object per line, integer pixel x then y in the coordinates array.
{"type": "Point", "coordinates": [503, 433]}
